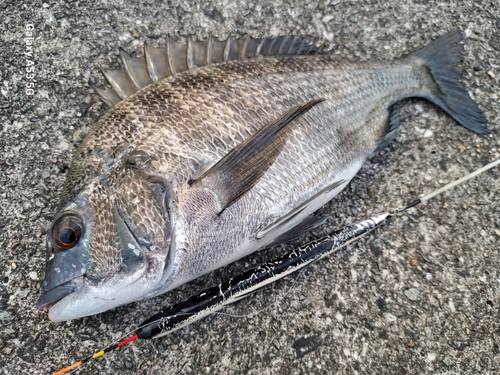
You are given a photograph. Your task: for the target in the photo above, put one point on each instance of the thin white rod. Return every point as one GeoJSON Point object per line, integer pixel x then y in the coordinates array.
{"type": "Point", "coordinates": [459, 181]}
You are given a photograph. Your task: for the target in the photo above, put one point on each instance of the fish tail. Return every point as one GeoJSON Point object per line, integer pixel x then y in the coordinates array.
{"type": "Point", "coordinates": [442, 58]}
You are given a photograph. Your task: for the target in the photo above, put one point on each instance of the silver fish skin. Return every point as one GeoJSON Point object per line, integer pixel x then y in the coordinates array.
{"type": "Point", "coordinates": [205, 166]}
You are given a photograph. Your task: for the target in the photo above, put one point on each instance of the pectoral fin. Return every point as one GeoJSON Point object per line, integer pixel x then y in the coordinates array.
{"type": "Point", "coordinates": [239, 171]}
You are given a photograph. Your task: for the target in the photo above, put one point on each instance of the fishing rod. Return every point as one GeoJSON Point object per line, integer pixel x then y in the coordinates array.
{"type": "Point", "coordinates": [243, 285]}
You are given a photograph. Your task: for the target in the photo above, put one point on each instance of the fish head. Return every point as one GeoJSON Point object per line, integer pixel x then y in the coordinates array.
{"type": "Point", "coordinates": [107, 246]}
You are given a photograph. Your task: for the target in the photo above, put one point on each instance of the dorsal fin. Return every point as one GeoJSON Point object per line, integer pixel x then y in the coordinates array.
{"type": "Point", "coordinates": [178, 56]}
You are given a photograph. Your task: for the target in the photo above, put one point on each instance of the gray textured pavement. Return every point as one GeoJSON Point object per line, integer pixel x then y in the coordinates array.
{"type": "Point", "coordinates": [419, 295]}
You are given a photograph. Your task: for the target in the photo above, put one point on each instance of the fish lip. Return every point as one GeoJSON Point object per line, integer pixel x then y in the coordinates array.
{"type": "Point", "coordinates": [50, 297]}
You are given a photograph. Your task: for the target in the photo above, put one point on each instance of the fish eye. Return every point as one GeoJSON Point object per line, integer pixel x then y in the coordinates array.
{"type": "Point", "coordinates": [66, 232]}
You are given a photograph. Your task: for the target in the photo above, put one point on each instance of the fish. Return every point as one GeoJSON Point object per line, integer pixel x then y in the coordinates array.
{"type": "Point", "coordinates": [213, 150]}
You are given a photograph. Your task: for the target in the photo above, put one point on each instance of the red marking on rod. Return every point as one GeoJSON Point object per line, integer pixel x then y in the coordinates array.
{"type": "Point", "coordinates": [126, 341]}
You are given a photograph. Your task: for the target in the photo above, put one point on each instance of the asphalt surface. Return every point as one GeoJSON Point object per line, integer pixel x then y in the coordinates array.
{"type": "Point", "coordinates": [419, 295]}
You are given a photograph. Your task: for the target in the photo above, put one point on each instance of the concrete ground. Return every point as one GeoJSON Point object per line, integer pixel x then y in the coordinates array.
{"type": "Point", "coordinates": [419, 295]}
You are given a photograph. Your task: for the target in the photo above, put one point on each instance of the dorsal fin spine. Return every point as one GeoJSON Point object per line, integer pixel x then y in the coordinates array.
{"type": "Point", "coordinates": [126, 67]}
{"type": "Point", "coordinates": [244, 48]}
{"type": "Point", "coordinates": [189, 53]}
{"type": "Point", "coordinates": [259, 47]}
{"type": "Point", "coordinates": [294, 40]}
{"type": "Point", "coordinates": [227, 49]}
{"type": "Point", "coordinates": [283, 44]}
{"type": "Point", "coordinates": [136, 70]}
{"type": "Point", "coordinates": [301, 46]}
{"type": "Point", "coordinates": [272, 45]}
{"type": "Point", "coordinates": [150, 66]}
{"type": "Point", "coordinates": [109, 97]}
{"type": "Point", "coordinates": [312, 47]}
{"type": "Point", "coordinates": [208, 52]}
{"type": "Point", "coordinates": [119, 81]}
{"type": "Point", "coordinates": [169, 55]}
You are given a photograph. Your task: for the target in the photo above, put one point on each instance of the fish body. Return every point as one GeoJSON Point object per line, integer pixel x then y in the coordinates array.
{"type": "Point", "coordinates": [205, 166]}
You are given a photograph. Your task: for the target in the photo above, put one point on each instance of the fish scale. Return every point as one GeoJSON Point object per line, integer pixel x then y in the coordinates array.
{"type": "Point", "coordinates": [208, 165]}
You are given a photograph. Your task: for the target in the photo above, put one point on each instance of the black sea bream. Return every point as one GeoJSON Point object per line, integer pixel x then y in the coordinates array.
{"type": "Point", "coordinates": [213, 150]}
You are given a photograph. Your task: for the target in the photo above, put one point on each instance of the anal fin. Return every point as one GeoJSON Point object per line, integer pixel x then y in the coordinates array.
{"type": "Point", "coordinates": [393, 126]}
{"type": "Point", "coordinates": [239, 171]}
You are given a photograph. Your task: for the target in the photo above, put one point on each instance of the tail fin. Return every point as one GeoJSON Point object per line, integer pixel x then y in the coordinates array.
{"type": "Point", "coordinates": [443, 58]}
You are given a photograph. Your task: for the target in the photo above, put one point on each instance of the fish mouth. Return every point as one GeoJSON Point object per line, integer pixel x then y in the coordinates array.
{"type": "Point", "coordinates": [50, 297]}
